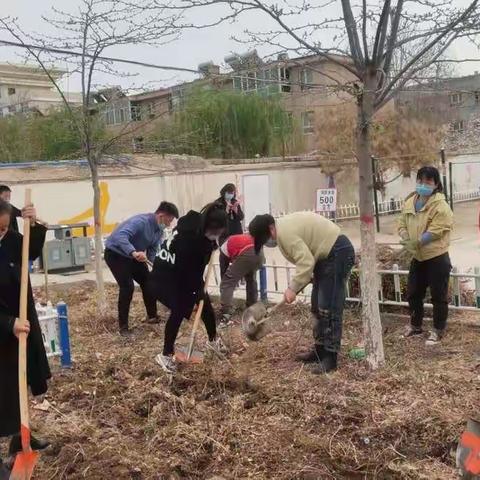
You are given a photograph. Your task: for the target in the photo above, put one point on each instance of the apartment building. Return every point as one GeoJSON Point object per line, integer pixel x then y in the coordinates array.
{"type": "Point", "coordinates": [452, 101]}
{"type": "Point", "coordinates": [305, 85]}
{"type": "Point", "coordinates": [26, 88]}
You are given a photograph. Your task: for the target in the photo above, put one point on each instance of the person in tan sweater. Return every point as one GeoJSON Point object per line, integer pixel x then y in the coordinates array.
{"type": "Point", "coordinates": [323, 255]}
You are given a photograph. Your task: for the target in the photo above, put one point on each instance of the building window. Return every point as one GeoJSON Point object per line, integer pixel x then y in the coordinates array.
{"type": "Point", "coordinates": [308, 122]}
{"type": "Point", "coordinates": [178, 99]}
{"type": "Point", "coordinates": [237, 83]}
{"type": "Point", "coordinates": [247, 81]}
{"type": "Point", "coordinates": [458, 126]}
{"type": "Point", "coordinates": [455, 99]}
{"type": "Point", "coordinates": [120, 117]}
{"type": "Point", "coordinates": [150, 110]}
{"type": "Point", "coordinates": [11, 91]}
{"type": "Point", "coordinates": [477, 97]}
{"type": "Point", "coordinates": [285, 80]}
{"type": "Point", "coordinates": [136, 113]}
{"type": "Point", "coordinates": [306, 79]}
{"type": "Point", "coordinates": [109, 116]}
{"type": "Point", "coordinates": [252, 81]}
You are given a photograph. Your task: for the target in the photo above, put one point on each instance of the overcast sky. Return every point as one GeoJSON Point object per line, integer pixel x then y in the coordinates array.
{"type": "Point", "coordinates": [195, 46]}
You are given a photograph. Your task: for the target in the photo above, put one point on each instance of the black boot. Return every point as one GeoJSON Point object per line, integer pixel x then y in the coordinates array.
{"type": "Point", "coordinates": [126, 332]}
{"type": "Point", "coordinates": [35, 444]}
{"type": "Point", "coordinates": [316, 354]}
{"type": "Point", "coordinates": [328, 364]}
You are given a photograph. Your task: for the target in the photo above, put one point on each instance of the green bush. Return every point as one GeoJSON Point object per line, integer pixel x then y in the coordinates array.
{"type": "Point", "coordinates": [229, 124]}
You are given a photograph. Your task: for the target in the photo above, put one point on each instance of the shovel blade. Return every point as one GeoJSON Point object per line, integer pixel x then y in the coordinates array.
{"type": "Point", "coordinates": [24, 465]}
{"type": "Point", "coordinates": [250, 318]}
{"type": "Point", "coordinates": [181, 355]}
{"type": "Point", "coordinates": [468, 450]}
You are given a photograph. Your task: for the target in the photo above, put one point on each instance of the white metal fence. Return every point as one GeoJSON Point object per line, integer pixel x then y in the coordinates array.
{"type": "Point", "coordinates": [351, 211]}
{"type": "Point", "coordinates": [464, 286]}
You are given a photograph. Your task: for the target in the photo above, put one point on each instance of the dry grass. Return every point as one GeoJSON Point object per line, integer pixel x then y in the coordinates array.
{"type": "Point", "coordinates": [260, 415]}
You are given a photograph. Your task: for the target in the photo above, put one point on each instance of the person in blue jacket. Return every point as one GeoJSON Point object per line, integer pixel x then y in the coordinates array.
{"type": "Point", "coordinates": [127, 250]}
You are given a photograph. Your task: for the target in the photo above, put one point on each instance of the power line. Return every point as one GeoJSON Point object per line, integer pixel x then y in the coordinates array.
{"type": "Point", "coordinates": [232, 75]}
{"type": "Point", "coordinates": [108, 59]}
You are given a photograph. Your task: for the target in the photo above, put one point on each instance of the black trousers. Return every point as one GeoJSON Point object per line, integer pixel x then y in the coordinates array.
{"type": "Point", "coordinates": [178, 311]}
{"type": "Point", "coordinates": [125, 272]}
{"type": "Point", "coordinates": [433, 274]}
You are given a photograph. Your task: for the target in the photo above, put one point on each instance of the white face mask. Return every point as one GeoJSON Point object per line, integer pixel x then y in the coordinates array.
{"type": "Point", "coordinates": [271, 243]}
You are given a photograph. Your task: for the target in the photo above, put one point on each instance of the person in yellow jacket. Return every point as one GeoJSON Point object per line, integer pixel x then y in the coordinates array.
{"type": "Point", "coordinates": [322, 254]}
{"type": "Point", "coordinates": [424, 227]}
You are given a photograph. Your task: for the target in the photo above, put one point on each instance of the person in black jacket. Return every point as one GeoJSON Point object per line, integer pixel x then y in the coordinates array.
{"type": "Point", "coordinates": [6, 194]}
{"type": "Point", "coordinates": [38, 371]}
{"type": "Point", "coordinates": [235, 216]}
{"type": "Point", "coordinates": [177, 276]}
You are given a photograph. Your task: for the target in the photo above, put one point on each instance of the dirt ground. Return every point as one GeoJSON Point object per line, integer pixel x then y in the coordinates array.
{"type": "Point", "coordinates": [260, 415]}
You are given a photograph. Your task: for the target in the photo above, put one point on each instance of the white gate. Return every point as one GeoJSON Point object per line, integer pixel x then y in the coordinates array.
{"type": "Point", "coordinates": [256, 193]}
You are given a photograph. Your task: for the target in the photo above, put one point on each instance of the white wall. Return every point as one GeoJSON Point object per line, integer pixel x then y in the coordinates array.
{"type": "Point", "coordinates": [65, 201]}
{"type": "Point", "coordinates": [291, 189]}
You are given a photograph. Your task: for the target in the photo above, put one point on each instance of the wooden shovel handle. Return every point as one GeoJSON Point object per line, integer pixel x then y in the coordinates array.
{"type": "Point", "coordinates": [272, 310]}
{"type": "Point", "coordinates": [199, 311]}
{"type": "Point", "coordinates": [22, 341]}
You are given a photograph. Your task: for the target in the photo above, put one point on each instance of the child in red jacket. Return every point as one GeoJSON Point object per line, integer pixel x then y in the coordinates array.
{"type": "Point", "coordinates": [244, 263]}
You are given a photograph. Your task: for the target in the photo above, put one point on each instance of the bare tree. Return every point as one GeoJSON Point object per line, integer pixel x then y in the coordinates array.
{"type": "Point", "coordinates": [90, 31]}
{"type": "Point", "coordinates": [368, 40]}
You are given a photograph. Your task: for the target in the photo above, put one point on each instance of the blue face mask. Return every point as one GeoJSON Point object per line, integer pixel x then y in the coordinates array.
{"type": "Point", "coordinates": [424, 190]}
{"type": "Point", "coordinates": [229, 196]}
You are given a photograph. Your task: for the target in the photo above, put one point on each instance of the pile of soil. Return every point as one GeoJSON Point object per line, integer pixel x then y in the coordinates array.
{"type": "Point", "coordinates": [258, 415]}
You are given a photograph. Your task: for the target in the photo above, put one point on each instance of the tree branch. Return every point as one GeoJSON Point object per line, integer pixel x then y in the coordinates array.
{"type": "Point", "coordinates": [403, 73]}
{"type": "Point", "coordinates": [351, 27]}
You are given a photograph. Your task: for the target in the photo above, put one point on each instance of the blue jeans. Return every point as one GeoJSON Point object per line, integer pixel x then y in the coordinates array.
{"type": "Point", "coordinates": [329, 291]}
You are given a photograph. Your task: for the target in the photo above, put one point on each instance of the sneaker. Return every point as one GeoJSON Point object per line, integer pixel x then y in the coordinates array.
{"type": "Point", "coordinates": [434, 338]}
{"type": "Point", "coordinates": [328, 364]}
{"type": "Point", "coordinates": [412, 331]}
{"type": "Point", "coordinates": [316, 354]}
{"type": "Point", "coordinates": [218, 347]}
{"type": "Point", "coordinates": [167, 362]}
{"type": "Point", "coordinates": [225, 321]}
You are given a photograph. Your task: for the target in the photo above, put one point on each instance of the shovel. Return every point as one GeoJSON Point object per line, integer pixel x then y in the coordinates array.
{"type": "Point", "coordinates": [189, 355]}
{"type": "Point", "coordinates": [468, 451]}
{"type": "Point", "coordinates": [25, 460]}
{"type": "Point", "coordinates": [255, 316]}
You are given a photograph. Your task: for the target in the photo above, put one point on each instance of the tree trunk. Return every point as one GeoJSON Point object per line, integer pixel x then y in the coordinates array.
{"type": "Point", "coordinates": [368, 270]}
{"type": "Point", "coordinates": [101, 297]}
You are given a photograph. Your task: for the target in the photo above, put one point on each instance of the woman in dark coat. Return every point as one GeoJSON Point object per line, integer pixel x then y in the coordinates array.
{"type": "Point", "coordinates": [177, 277]}
{"type": "Point", "coordinates": [235, 216]}
{"type": "Point", "coordinates": [38, 370]}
